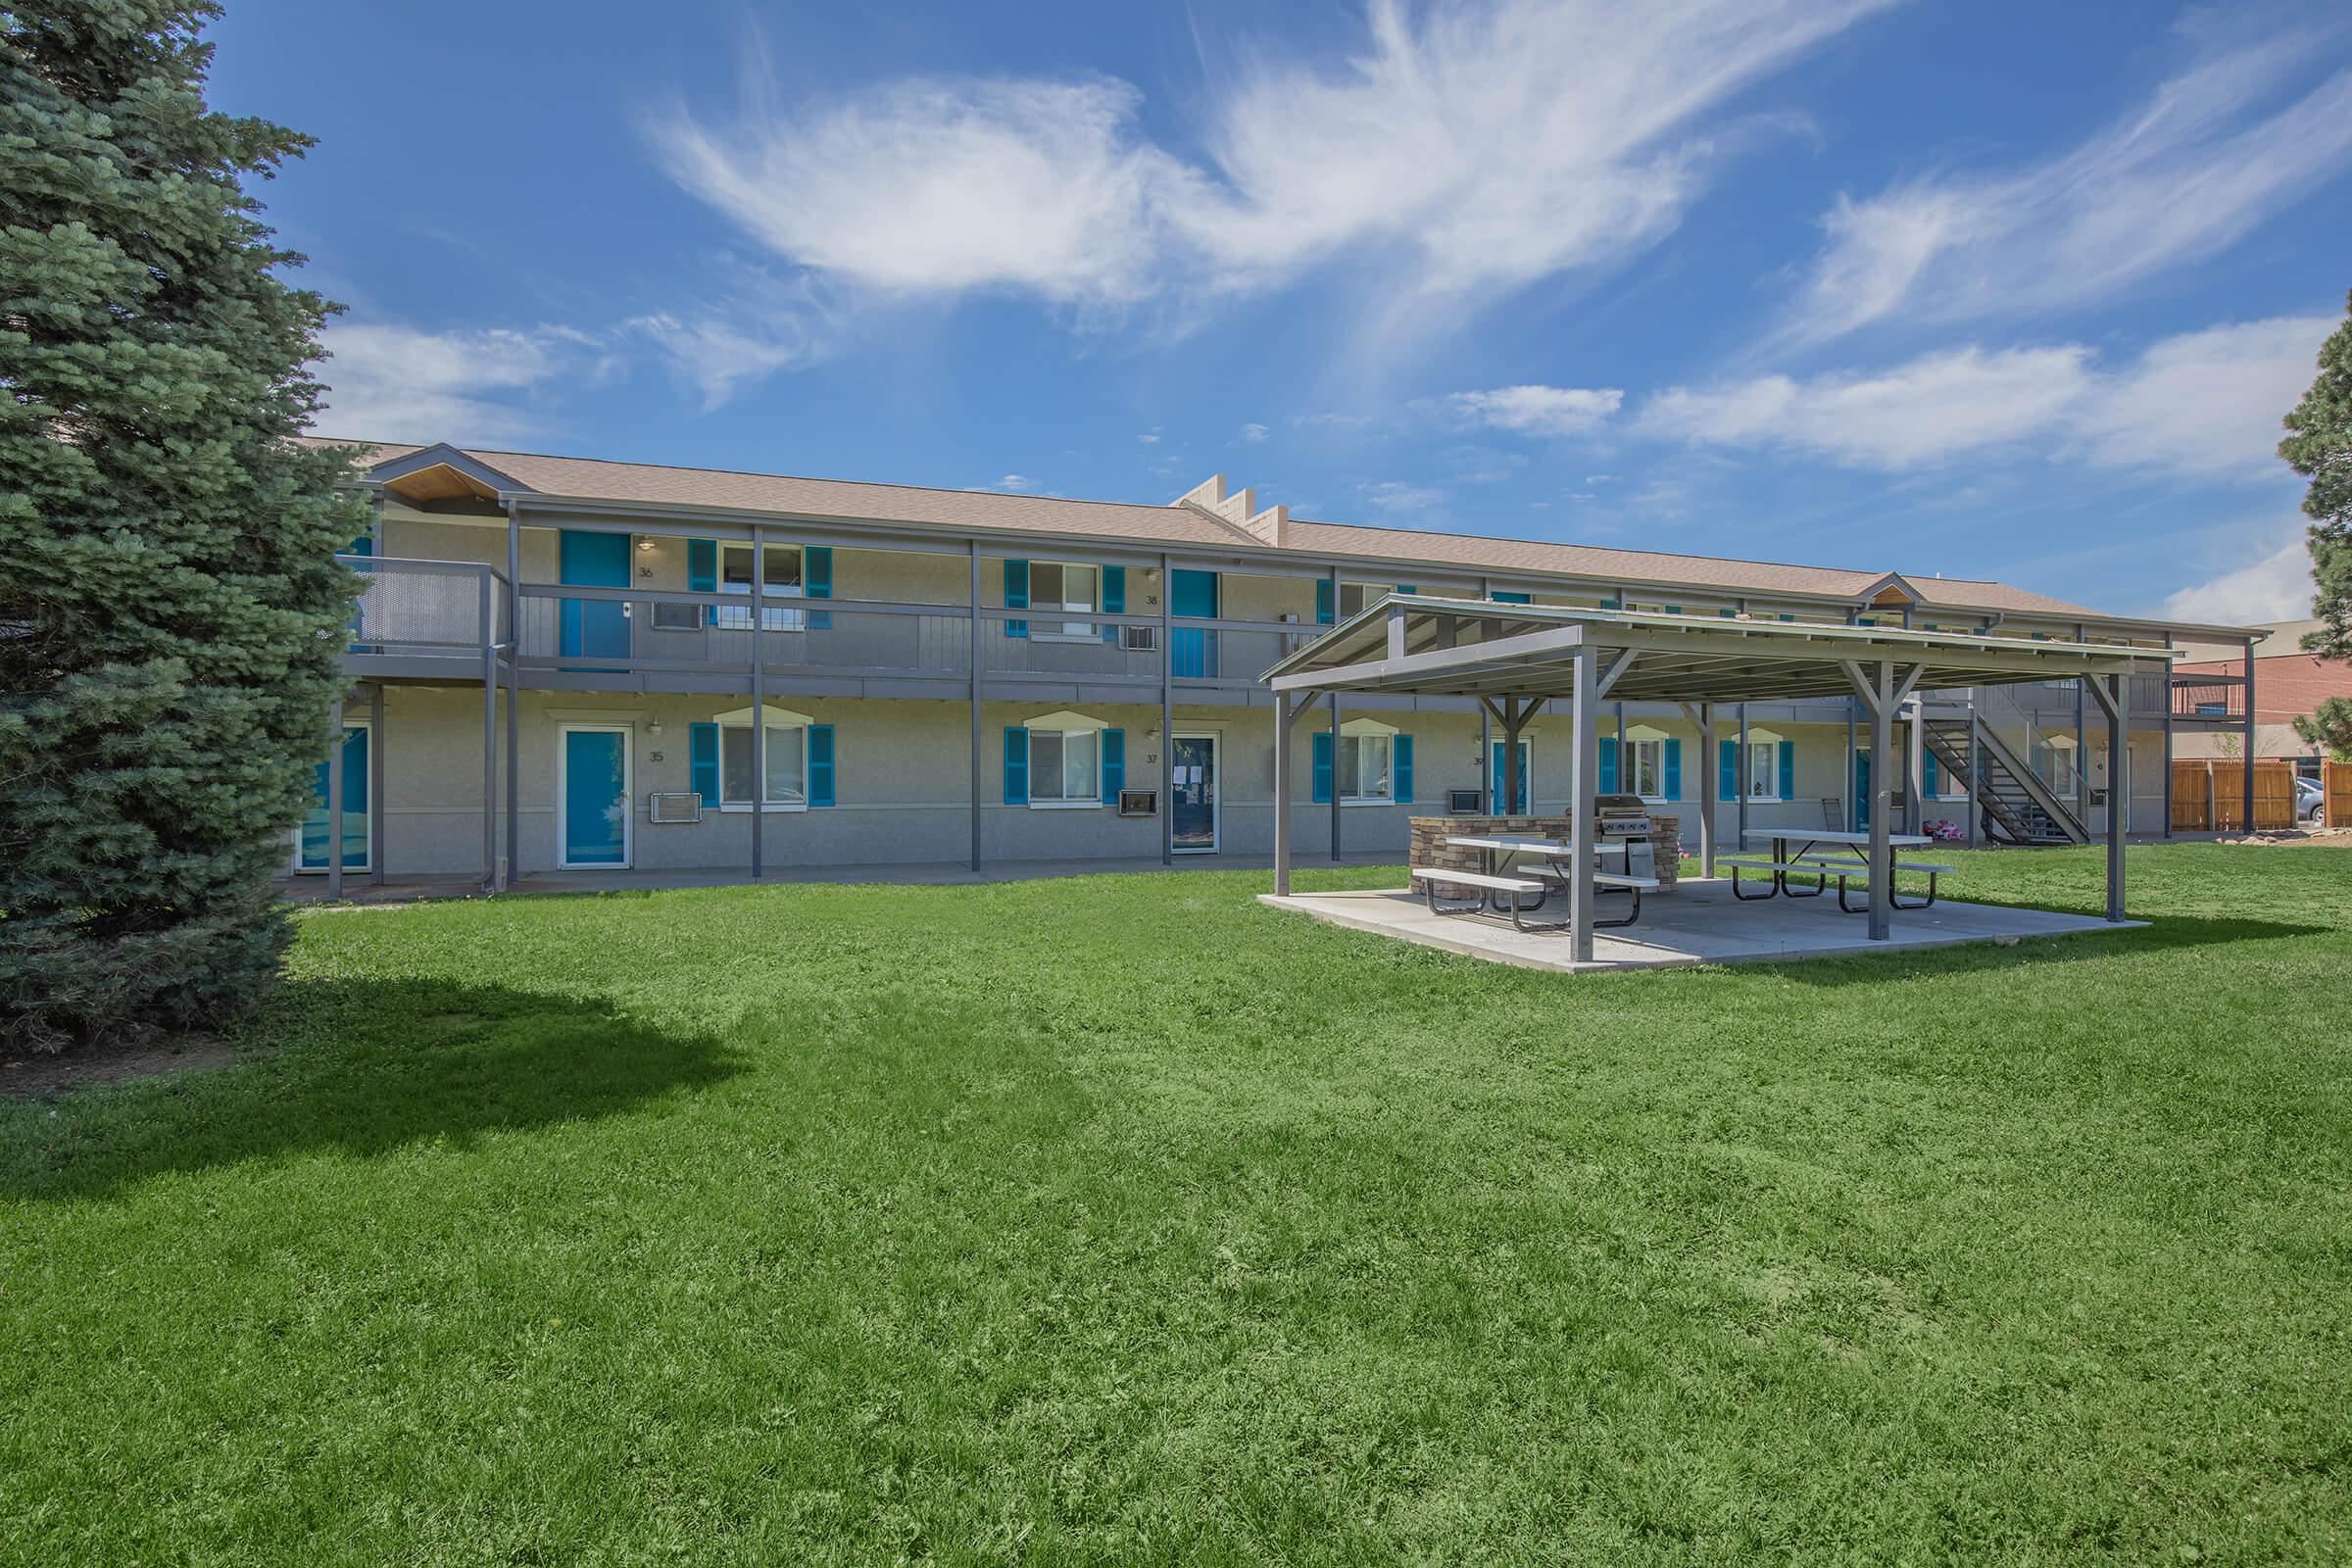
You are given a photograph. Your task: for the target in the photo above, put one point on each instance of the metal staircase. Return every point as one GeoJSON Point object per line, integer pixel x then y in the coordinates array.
{"type": "Point", "coordinates": [2018, 805]}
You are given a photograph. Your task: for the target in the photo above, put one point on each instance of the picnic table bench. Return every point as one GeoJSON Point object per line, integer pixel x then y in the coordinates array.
{"type": "Point", "coordinates": [1498, 884]}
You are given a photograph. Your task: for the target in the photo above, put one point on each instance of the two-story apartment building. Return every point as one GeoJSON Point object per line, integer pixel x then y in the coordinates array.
{"type": "Point", "coordinates": [563, 664]}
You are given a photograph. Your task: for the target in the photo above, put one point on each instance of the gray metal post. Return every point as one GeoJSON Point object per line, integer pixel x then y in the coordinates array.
{"type": "Point", "coordinates": [758, 709]}
{"type": "Point", "coordinates": [1740, 780]}
{"type": "Point", "coordinates": [1709, 769]}
{"type": "Point", "coordinates": [2082, 751]}
{"type": "Point", "coordinates": [1511, 711]}
{"type": "Point", "coordinates": [1486, 732]}
{"type": "Point", "coordinates": [1882, 796]}
{"type": "Point", "coordinates": [375, 782]}
{"type": "Point", "coordinates": [2167, 739]}
{"type": "Point", "coordinates": [1853, 803]}
{"type": "Point", "coordinates": [1167, 711]}
{"type": "Point", "coordinates": [1583, 769]}
{"type": "Point", "coordinates": [2249, 748]}
{"type": "Point", "coordinates": [1975, 771]}
{"type": "Point", "coordinates": [1334, 772]}
{"type": "Point", "coordinates": [2119, 789]}
{"type": "Point", "coordinates": [1286, 713]}
{"type": "Point", "coordinates": [334, 800]}
{"type": "Point", "coordinates": [975, 672]}
{"type": "Point", "coordinates": [513, 694]}
{"type": "Point", "coordinates": [489, 622]}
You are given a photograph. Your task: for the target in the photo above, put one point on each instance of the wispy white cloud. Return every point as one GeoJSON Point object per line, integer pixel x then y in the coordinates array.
{"type": "Point", "coordinates": [390, 382]}
{"type": "Point", "coordinates": [2278, 587]}
{"type": "Point", "coordinates": [1014, 482]}
{"type": "Point", "coordinates": [1254, 432]}
{"type": "Point", "coordinates": [749, 326]}
{"type": "Point", "coordinates": [1544, 411]}
{"type": "Point", "coordinates": [1463, 149]}
{"type": "Point", "coordinates": [2204, 403]}
{"type": "Point", "coordinates": [2216, 150]}
{"type": "Point", "coordinates": [1394, 496]}
{"type": "Point", "coordinates": [1933, 408]}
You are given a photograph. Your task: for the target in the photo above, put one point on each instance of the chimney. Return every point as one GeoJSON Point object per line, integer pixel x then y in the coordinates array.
{"type": "Point", "coordinates": [1239, 507]}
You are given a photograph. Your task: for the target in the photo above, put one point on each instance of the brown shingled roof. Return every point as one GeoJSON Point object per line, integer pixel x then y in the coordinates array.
{"type": "Point", "coordinates": [598, 480]}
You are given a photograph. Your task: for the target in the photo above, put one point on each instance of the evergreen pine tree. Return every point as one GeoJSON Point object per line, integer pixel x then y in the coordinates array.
{"type": "Point", "coordinates": [2319, 448]}
{"type": "Point", "coordinates": [171, 613]}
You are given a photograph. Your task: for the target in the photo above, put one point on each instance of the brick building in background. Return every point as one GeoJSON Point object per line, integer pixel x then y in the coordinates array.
{"type": "Point", "coordinates": [2289, 684]}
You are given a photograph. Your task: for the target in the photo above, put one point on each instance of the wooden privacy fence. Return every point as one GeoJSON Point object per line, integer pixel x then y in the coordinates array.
{"type": "Point", "coordinates": [2210, 796]}
{"type": "Point", "coordinates": [2335, 778]}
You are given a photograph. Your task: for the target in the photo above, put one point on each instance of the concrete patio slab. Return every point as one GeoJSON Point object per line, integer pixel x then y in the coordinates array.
{"type": "Point", "coordinates": [1700, 922]}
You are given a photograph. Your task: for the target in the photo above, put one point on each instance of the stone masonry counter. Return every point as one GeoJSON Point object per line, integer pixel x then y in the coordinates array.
{"type": "Point", "coordinates": [1430, 833]}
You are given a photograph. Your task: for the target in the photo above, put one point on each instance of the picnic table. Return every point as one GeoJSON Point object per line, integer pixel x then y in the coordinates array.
{"type": "Point", "coordinates": [1497, 882]}
{"type": "Point", "coordinates": [1847, 858]}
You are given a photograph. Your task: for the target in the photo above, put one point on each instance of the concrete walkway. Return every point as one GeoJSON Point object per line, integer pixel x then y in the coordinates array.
{"type": "Point", "coordinates": [1698, 922]}
{"type": "Point", "coordinates": [357, 888]}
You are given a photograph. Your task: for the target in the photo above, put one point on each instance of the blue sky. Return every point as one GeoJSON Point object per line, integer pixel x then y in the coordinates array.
{"type": "Point", "coordinates": [1983, 289]}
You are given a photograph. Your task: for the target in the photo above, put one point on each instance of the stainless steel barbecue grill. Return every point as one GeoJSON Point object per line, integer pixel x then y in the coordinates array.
{"type": "Point", "coordinates": [1625, 818]}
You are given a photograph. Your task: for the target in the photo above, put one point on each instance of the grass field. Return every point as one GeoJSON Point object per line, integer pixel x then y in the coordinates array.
{"type": "Point", "coordinates": [1126, 1220]}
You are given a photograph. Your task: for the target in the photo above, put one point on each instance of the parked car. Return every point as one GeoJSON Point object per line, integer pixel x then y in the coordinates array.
{"type": "Point", "coordinates": [2308, 796]}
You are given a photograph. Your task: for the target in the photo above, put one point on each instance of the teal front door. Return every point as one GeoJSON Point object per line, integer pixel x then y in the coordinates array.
{"type": "Point", "coordinates": [594, 629]}
{"type": "Point", "coordinates": [595, 796]}
{"type": "Point", "coordinates": [316, 823]}
{"type": "Point", "coordinates": [1861, 790]}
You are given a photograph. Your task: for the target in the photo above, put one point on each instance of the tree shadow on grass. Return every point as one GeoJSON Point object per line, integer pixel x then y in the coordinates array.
{"type": "Point", "coordinates": [363, 1067]}
{"type": "Point", "coordinates": [2164, 933]}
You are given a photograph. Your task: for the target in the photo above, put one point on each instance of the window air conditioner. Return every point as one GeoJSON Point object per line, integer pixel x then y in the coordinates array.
{"type": "Point", "coordinates": [671, 615]}
{"type": "Point", "coordinates": [1462, 803]}
{"type": "Point", "coordinates": [1138, 802]}
{"type": "Point", "coordinates": [673, 805]}
{"type": "Point", "coordinates": [1139, 639]}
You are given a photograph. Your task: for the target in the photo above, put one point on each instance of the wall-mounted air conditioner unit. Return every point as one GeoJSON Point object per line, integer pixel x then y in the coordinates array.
{"type": "Point", "coordinates": [1138, 802]}
{"type": "Point", "coordinates": [1140, 639]}
{"type": "Point", "coordinates": [673, 805]}
{"type": "Point", "coordinates": [671, 615]}
{"type": "Point", "coordinates": [1462, 803]}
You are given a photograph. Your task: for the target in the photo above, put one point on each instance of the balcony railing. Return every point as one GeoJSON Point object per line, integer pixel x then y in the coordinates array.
{"type": "Point", "coordinates": [426, 609]}
{"type": "Point", "coordinates": [2209, 696]}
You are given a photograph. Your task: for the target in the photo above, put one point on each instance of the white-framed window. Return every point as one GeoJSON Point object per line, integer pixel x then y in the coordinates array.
{"type": "Point", "coordinates": [786, 759]}
{"type": "Point", "coordinates": [1065, 586]}
{"type": "Point", "coordinates": [1065, 766]}
{"type": "Point", "coordinates": [1644, 772]}
{"type": "Point", "coordinates": [783, 581]}
{"type": "Point", "coordinates": [1366, 776]}
{"type": "Point", "coordinates": [1763, 770]}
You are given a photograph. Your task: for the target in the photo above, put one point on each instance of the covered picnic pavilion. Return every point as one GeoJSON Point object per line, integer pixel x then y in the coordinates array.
{"type": "Point", "coordinates": [1517, 660]}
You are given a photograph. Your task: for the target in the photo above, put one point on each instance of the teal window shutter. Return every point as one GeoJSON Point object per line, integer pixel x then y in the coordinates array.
{"type": "Point", "coordinates": [1726, 786]}
{"type": "Point", "coordinates": [821, 765]}
{"type": "Point", "coordinates": [1608, 764]}
{"type": "Point", "coordinates": [1016, 597]}
{"type": "Point", "coordinates": [1610, 604]}
{"type": "Point", "coordinates": [702, 748]}
{"type": "Point", "coordinates": [1728, 615]}
{"type": "Point", "coordinates": [1785, 616]}
{"type": "Point", "coordinates": [702, 573]}
{"type": "Point", "coordinates": [1928, 784]}
{"type": "Point", "coordinates": [1323, 603]}
{"type": "Point", "coordinates": [1514, 598]}
{"type": "Point", "coordinates": [1114, 765]}
{"type": "Point", "coordinates": [1400, 753]}
{"type": "Point", "coordinates": [1322, 767]}
{"type": "Point", "coordinates": [1114, 598]}
{"type": "Point", "coordinates": [1674, 610]}
{"type": "Point", "coordinates": [1674, 770]}
{"type": "Point", "coordinates": [1788, 771]}
{"type": "Point", "coordinates": [1406, 588]}
{"type": "Point", "coordinates": [817, 581]}
{"type": "Point", "coordinates": [1017, 765]}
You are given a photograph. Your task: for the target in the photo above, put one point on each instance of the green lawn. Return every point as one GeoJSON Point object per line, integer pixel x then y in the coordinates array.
{"type": "Point", "coordinates": [1124, 1220]}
